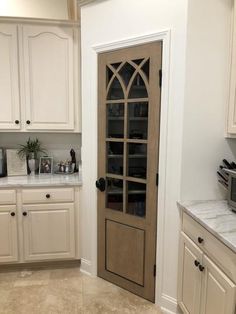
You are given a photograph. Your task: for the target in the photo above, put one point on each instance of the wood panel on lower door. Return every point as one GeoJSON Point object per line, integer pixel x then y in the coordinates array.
{"type": "Point", "coordinates": [128, 149]}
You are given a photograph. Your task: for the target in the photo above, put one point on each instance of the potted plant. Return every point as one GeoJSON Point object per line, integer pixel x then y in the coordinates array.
{"type": "Point", "coordinates": [30, 150]}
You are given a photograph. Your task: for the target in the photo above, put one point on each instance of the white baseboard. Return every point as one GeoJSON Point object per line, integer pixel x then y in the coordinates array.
{"type": "Point", "coordinates": [169, 305]}
{"type": "Point", "coordinates": [85, 266]}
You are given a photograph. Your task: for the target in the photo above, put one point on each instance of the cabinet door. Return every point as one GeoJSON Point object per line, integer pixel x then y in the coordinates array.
{"type": "Point", "coordinates": [48, 232]}
{"type": "Point", "coordinates": [48, 71]}
{"type": "Point", "coordinates": [218, 291]}
{"type": "Point", "coordinates": [9, 78]}
{"type": "Point", "coordinates": [189, 283]}
{"type": "Point", "coordinates": [8, 234]}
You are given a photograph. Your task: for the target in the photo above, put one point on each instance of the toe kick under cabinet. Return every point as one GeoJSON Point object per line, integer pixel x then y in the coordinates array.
{"type": "Point", "coordinates": [207, 272]}
{"type": "Point", "coordinates": [38, 224]}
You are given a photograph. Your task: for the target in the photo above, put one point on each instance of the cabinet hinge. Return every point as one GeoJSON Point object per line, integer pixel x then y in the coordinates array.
{"type": "Point", "coordinates": [160, 78]}
{"type": "Point", "coordinates": [154, 270]}
{"type": "Point", "coordinates": [157, 179]}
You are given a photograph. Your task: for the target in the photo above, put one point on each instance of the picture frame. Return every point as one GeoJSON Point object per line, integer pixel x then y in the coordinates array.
{"type": "Point", "coordinates": [46, 165]}
{"type": "Point", "coordinates": [16, 166]}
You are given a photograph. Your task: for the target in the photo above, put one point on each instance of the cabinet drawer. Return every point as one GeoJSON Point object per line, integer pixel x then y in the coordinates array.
{"type": "Point", "coordinates": [215, 249]}
{"type": "Point", "coordinates": [7, 197]}
{"type": "Point", "coordinates": [48, 195]}
{"type": "Point", "coordinates": [193, 230]}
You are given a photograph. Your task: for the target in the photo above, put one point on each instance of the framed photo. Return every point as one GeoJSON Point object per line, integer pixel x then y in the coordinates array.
{"type": "Point", "coordinates": [46, 165]}
{"type": "Point", "coordinates": [16, 166]}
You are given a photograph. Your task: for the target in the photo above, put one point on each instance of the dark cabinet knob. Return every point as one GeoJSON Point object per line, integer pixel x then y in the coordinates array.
{"type": "Point", "coordinates": [196, 263]}
{"type": "Point", "coordinates": [17, 121]}
{"type": "Point", "coordinates": [200, 240]}
{"type": "Point", "coordinates": [101, 184]}
{"type": "Point", "coordinates": [201, 268]}
{"type": "Point", "coordinates": [48, 195]}
{"type": "Point", "coordinates": [28, 121]}
{"type": "Point", "coordinates": [13, 214]}
{"type": "Point", "coordinates": [24, 213]}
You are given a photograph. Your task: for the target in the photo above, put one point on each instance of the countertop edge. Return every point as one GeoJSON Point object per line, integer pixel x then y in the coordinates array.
{"type": "Point", "coordinates": [207, 227]}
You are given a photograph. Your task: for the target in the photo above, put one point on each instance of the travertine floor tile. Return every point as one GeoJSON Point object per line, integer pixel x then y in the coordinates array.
{"type": "Point", "coordinates": [66, 291]}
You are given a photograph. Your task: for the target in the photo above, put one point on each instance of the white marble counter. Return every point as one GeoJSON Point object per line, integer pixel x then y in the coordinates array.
{"type": "Point", "coordinates": [216, 217]}
{"type": "Point", "coordinates": [41, 180]}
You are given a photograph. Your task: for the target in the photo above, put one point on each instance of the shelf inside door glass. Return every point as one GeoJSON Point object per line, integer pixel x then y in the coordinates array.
{"type": "Point", "coordinates": [114, 194]}
{"type": "Point", "coordinates": [137, 160]}
{"type": "Point", "coordinates": [138, 120]}
{"type": "Point", "coordinates": [115, 120]}
{"type": "Point", "coordinates": [136, 204]}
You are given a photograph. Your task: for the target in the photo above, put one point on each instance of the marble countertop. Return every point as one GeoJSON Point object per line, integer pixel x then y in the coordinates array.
{"type": "Point", "coordinates": [41, 180]}
{"type": "Point", "coordinates": [216, 217]}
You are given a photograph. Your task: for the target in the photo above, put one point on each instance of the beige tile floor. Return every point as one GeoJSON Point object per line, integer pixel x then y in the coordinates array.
{"type": "Point", "coordinates": [65, 291]}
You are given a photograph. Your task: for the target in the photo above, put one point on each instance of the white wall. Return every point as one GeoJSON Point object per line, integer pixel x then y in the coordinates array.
{"type": "Point", "coordinates": [114, 20]}
{"type": "Point", "coordinates": [50, 9]}
{"type": "Point", "coordinates": [207, 86]}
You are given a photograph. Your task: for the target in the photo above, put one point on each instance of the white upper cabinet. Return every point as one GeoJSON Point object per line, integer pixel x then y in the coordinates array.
{"type": "Point", "coordinates": [9, 78]}
{"type": "Point", "coordinates": [39, 77]}
{"type": "Point", "coordinates": [48, 77]}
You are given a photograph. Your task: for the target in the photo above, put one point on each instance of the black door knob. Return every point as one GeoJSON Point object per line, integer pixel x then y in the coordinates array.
{"type": "Point", "coordinates": [13, 214]}
{"type": "Point", "coordinates": [101, 184]}
{"type": "Point", "coordinates": [200, 240]}
{"type": "Point", "coordinates": [28, 121]}
{"type": "Point", "coordinates": [24, 214]}
{"type": "Point", "coordinates": [17, 121]}
{"type": "Point", "coordinates": [201, 268]}
{"type": "Point", "coordinates": [48, 195]}
{"type": "Point", "coordinates": [196, 263]}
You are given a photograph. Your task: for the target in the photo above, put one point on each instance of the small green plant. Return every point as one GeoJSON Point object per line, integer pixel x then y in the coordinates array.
{"type": "Point", "coordinates": [32, 147]}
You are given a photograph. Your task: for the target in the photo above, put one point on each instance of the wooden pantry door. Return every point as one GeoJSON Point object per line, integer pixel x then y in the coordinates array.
{"type": "Point", "coordinates": [128, 148]}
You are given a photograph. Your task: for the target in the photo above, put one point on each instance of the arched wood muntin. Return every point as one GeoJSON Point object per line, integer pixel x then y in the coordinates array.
{"type": "Point", "coordinates": [127, 88]}
{"type": "Point", "coordinates": [127, 234]}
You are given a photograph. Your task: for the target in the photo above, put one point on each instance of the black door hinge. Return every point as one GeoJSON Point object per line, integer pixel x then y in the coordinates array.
{"type": "Point", "coordinates": [160, 78]}
{"type": "Point", "coordinates": [154, 270]}
{"type": "Point", "coordinates": [157, 179]}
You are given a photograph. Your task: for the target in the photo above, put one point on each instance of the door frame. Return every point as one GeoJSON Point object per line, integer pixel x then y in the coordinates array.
{"type": "Point", "coordinates": [90, 267]}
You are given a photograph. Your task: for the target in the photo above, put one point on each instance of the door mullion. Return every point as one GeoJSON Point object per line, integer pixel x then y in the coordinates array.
{"type": "Point", "coordinates": [125, 161]}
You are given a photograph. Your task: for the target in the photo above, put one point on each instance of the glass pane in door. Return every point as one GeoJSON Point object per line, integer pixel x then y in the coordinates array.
{"type": "Point", "coordinates": [138, 120]}
{"type": "Point", "coordinates": [114, 194]}
{"type": "Point", "coordinates": [137, 160]}
{"type": "Point", "coordinates": [115, 152]}
{"type": "Point", "coordinates": [136, 200]}
{"type": "Point", "coordinates": [115, 120]}
{"type": "Point", "coordinates": [138, 88]}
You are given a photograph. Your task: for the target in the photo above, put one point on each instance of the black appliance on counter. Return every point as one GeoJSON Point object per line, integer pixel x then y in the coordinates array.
{"type": "Point", "coordinates": [3, 163]}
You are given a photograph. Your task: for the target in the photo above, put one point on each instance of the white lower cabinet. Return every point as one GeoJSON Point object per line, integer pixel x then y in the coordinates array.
{"type": "Point", "coordinates": [39, 224]}
{"type": "Point", "coordinates": [190, 279]}
{"type": "Point", "coordinates": [48, 231]}
{"type": "Point", "coordinates": [203, 288]}
{"type": "Point", "coordinates": [218, 291]}
{"type": "Point", "coordinates": [8, 234]}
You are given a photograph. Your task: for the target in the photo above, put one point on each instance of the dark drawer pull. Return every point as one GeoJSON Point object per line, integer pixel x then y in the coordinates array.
{"type": "Point", "coordinates": [24, 213]}
{"type": "Point", "coordinates": [196, 263]}
{"type": "Point", "coordinates": [201, 268]}
{"type": "Point", "coordinates": [28, 121]}
{"type": "Point", "coordinates": [48, 195]}
{"type": "Point", "coordinates": [17, 121]}
{"type": "Point", "coordinates": [13, 214]}
{"type": "Point", "coordinates": [200, 240]}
